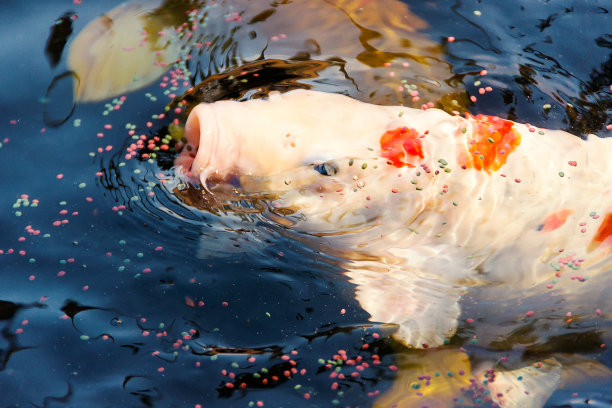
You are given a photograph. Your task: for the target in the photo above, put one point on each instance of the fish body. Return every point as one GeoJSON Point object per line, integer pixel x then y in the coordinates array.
{"type": "Point", "coordinates": [424, 203]}
{"type": "Point", "coordinates": [421, 206]}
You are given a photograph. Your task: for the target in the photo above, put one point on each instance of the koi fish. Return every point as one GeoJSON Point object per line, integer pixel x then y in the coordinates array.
{"type": "Point", "coordinates": [134, 44]}
{"type": "Point", "coordinates": [423, 205]}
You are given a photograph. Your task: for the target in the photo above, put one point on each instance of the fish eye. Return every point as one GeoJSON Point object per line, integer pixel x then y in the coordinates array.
{"type": "Point", "coordinates": [326, 169]}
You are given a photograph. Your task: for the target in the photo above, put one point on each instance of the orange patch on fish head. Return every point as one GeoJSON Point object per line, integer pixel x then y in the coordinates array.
{"type": "Point", "coordinates": [603, 234]}
{"type": "Point", "coordinates": [555, 220]}
{"type": "Point", "coordinates": [492, 142]}
{"type": "Point", "coordinates": [402, 147]}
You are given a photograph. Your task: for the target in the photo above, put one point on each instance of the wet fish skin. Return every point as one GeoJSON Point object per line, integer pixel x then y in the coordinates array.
{"type": "Point", "coordinates": [422, 205]}
{"type": "Point", "coordinates": [453, 223]}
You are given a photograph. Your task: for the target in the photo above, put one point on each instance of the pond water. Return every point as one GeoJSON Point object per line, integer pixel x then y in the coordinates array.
{"type": "Point", "coordinates": [122, 287]}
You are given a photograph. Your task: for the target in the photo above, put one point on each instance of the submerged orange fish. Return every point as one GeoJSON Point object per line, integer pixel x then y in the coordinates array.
{"type": "Point", "coordinates": [369, 42]}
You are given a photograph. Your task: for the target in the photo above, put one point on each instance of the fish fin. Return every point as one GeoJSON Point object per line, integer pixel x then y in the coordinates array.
{"type": "Point", "coordinates": [526, 387]}
{"type": "Point", "coordinates": [421, 382]}
{"type": "Point", "coordinates": [425, 308]}
{"type": "Point", "coordinates": [578, 369]}
{"type": "Point", "coordinates": [121, 51]}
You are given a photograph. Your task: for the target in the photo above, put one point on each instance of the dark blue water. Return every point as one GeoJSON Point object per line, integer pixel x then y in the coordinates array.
{"type": "Point", "coordinates": [115, 292]}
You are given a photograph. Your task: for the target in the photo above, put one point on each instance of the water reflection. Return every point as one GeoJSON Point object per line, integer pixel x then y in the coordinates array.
{"type": "Point", "coordinates": [535, 75]}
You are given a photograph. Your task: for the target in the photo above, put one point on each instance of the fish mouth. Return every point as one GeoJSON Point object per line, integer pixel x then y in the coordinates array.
{"type": "Point", "coordinates": [205, 155]}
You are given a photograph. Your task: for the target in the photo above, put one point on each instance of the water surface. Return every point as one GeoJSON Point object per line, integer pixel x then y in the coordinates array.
{"type": "Point", "coordinates": [117, 290]}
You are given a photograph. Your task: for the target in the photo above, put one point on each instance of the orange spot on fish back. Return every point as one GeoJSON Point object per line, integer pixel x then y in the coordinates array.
{"type": "Point", "coordinates": [493, 140]}
{"type": "Point", "coordinates": [401, 146]}
{"type": "Point", "coordinates": [556, 220]}
{"type": "Point", "coordinates": [603, 233]}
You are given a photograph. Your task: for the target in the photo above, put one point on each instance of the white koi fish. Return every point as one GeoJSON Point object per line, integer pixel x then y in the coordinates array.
{"type": "Point", "coordinates": [422, 204]}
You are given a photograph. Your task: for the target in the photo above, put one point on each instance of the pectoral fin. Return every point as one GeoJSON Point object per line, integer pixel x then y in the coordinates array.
{"type": "Point", "coordinates": [425, 307]}
{"type": "Point", "coordinates": [526, 387]}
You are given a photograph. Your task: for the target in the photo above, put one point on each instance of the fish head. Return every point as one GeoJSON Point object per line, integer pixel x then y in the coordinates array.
{"type": "Point", "coordinates": [322, 153]}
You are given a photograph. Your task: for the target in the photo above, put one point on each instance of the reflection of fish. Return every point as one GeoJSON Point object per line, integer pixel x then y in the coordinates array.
{"type": "Point", "coordinates": [421, 204]}
{"type": "Point", "coordinates": [444, 377]}
{"type": "Point", "coordinates": [135, 43]}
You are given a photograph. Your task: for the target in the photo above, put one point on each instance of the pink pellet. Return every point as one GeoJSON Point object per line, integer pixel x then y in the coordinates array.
{"type": "Point", "coordinates": [451, 39]}
{"type": "Point", "coordinates": [59, 176]}
{"type": "Point", "coordinates": [529, 313]}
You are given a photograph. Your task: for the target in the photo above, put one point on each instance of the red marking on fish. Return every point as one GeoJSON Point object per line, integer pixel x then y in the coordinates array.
{"type": "Point", "coordinates": [556, 220]}
{"type": "Point", "coordinates": [493, 140]}
{"type": "Point", "coordinates": [603, 234]}
{"type": "Point", "coordinates": [401, 146]}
